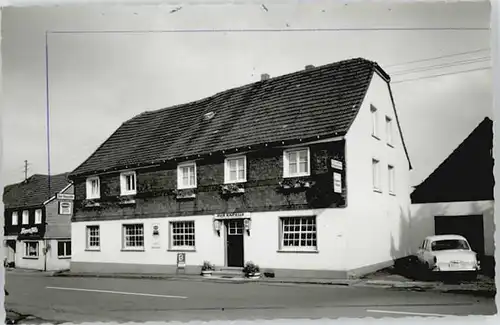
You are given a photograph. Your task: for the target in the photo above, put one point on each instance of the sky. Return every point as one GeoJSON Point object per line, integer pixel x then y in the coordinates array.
{"type": "Point", "coordinates": [98, 81]}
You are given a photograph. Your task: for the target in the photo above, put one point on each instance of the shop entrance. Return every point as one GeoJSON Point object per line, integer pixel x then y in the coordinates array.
{"type": "Point", "coordinates": [234, 243]}
{"type": "Point", "coordinates": [11, 251]}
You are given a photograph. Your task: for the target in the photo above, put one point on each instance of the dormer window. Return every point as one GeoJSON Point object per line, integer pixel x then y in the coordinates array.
{"type": "Point", "coordinates": [128, 183]}
{"type": "Point", "coordinates": [296, 162]}
{"type": "Point", "coordinates": [93, 188]}
{"type": "Point", "coordinates": [186, 176]}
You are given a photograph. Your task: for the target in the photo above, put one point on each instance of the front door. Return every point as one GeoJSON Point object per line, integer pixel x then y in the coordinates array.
{"type": "Point", "coordinates": [11, 251]}
{"type": "Point", "coordinates": [234, 237]}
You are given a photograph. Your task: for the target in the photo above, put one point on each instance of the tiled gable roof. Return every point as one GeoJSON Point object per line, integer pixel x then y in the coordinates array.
{"type": "Point", "coordinates": [321, 102]}
{"type": "Point", "coordinates": [34, 191]}
{"type": "Point", "coordinates": [466, 175]}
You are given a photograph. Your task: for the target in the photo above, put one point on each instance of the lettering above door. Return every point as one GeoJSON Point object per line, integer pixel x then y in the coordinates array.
{"type": "Point", "coordinates": [235, 215]}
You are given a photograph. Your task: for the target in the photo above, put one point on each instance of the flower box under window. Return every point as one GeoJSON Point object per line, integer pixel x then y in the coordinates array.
{"type": "Point", "coordinates": [126, 200]}
{"type": "Point", "coordinates": [232, 189]}
{"type": "Point", "coordinates": [90, 204]}
{"type": "Point", "coordinates": [295, 185]}
{"type": "Point", "coordinates": [185, 194]}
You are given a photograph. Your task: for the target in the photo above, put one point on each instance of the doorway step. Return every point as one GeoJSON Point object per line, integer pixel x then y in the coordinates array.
{"type": "Point", "coordinates": [228, 273]}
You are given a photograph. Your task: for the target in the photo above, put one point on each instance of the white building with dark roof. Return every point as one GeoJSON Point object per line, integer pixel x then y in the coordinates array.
{"type": "Point", "coordinates": [304, 174]}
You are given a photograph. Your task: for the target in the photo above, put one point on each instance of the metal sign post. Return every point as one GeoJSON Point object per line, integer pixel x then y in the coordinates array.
{"type": "Point", "coordinates": [181, 262]}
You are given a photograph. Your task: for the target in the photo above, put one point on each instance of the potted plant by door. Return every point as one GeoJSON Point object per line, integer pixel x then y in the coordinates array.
{"type": "Point", "coordinates": [207, 269]}
{"type": "Point", "coordinates": [251, 270]}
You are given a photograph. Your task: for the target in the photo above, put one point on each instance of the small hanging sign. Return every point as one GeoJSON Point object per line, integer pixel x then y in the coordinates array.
{"type": "Point", "coordinates": [156, 236]}
{"type": "Point", "coordinates": [336, 164]}
{"type": "Point", "coordinates": [181, 260]}
{"type": "Point", "coordinates": [337, 183]}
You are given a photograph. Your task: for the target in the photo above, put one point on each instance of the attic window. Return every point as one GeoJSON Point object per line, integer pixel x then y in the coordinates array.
{"type": "Point", "coordinates": [208, 116]}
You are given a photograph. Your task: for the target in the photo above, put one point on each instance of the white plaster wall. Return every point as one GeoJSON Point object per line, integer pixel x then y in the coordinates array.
{"type": "Point", "coordinates": [208, 245]}
{"type": "Point", "coordinates": [29, 263]}
{"type": "Point", "coordinates": [260, 246]}
{"type": "Point", "coordinates": [54, 263]}
{"type": "Point", "coordinates": [378, 222]}
{"type": "Point", "coordinates": [423, 220]}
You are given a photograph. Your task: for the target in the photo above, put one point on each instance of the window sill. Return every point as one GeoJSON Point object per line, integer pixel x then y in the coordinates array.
{"type": "Point", "coordinates": [181, 250]}
{"type": "Point", "coordinates": [187, 188]}
{"type": "Point", "coordinates": [128, 193]}
{"type": "Point", "coordinates": [376, 190]}
{"type": "Point", "coordinates": [133, 250]}
{"type": "Point", "coordinates": [92, 249]}
{"type": "Point", "coordinates": [30, 257]}
{"type": "Point", "coordinates": [392, 193]}
{"type": "Point", "coordinates": [297, 251]}
{"type": "Point", "coordinates": [297, 175]}
{"type": "Point", "coordinates": [93, 198]}
{"type": "Point", "coordinates": [227, 182]}
{"type": "Point", "coordinates": [64, 257]}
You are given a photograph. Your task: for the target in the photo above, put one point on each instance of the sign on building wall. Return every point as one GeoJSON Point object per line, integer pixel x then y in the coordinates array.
{"type": "Point", "coordinates": [337, 183]}
{"type": "Point", "coordinates": [181, 260]}
{"type": "Point", "coordinates": [234, 215]}
{"type": "Point", "coordinates": [336, 164]}
{"type": "Point", "coordinates": [65, 196]}
{"type": "Point", "coordinates": [29, 231]}
{"type": "Point", "coordinates": [156, 236]}
{"type": "Point", "coordinates": [33, 232]}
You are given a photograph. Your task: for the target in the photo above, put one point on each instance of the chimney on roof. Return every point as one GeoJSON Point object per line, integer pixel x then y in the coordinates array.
{"type": "Point", "coordinates": [264, 76]}
{"type": "Point", "coordinates": [309, 67]}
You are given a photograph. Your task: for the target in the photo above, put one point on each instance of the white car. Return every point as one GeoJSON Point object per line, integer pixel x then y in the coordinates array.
{"type": "Point", "coordinates": [448, 253]}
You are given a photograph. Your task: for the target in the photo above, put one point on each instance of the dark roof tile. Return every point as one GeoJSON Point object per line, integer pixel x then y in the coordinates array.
{"type": "Point", "coordinates": [323, 101]}
{"type": "Point", "coordinates": [34, 191]}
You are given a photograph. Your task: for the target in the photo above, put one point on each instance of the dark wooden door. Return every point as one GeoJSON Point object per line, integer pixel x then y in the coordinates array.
{"type": "Point", "coordinates": [234, 235]}
{"type": "Point", "coordinates": [471, 227]}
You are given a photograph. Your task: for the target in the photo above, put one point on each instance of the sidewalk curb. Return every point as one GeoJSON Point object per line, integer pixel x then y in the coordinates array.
{"type": "Point", "coordinates": [415, 286]}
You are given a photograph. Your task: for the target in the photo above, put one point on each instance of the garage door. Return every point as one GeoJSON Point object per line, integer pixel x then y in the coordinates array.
{"type": "Point", "coordinates": [471, 227]}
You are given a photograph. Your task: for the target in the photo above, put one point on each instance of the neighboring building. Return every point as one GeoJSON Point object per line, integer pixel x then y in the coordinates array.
{"type": "Point", "coordinates": [304, 174]}
{"type": "Point", "coordinates": [37, 230]}
{"type": "Point", "coordinates": [457, 198]}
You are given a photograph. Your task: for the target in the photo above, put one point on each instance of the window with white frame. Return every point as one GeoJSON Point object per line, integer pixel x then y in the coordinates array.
{"type": "Point", "coordinates": [93, 238]}
{"type": "Point", "coordinates": [30, 249]}
{"type": "Point", "coordinates": [93, 188]}
{"type": "Point", "coordinates": [186, 176]}
{"type": "Point", "coordinates": [374, 113]}
{"type": "Point", "coordinates": [296, 162]}
{"type": "Point", "coordinates": [235, 170]}
{"type": "Point", "coordinates": [392, 179]}
{"type": "Point", "coordinates": [376, 175]}
{"type": "Point", "coordinates": [15, 218]}
{"type": "Point", "coordinates": [299, 233]}
{"type": "Point", "coordinates": [388, 130]}
{"type": "Point", "coordinates": [133, 236]}
{"type": "Point", "coordinates": [65, 207]}
{"type": "Point", "coordinates": [26, 217]}
{"type": "Point", "coordinates": [38, 216]}
{"type": "Point", "coordinates": [128, 183]}
{"type": "Point", "coordinates": [182, 235]}
{"type": "Point", "coordinates": [64, 249]}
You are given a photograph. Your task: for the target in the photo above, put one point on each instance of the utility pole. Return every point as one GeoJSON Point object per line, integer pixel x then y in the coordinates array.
{"type": "Point", "coordinates": [25, 170]}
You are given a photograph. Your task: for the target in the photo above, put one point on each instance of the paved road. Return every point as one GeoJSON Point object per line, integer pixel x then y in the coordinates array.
{"type": "Point", "coordinates": [58, 299]}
